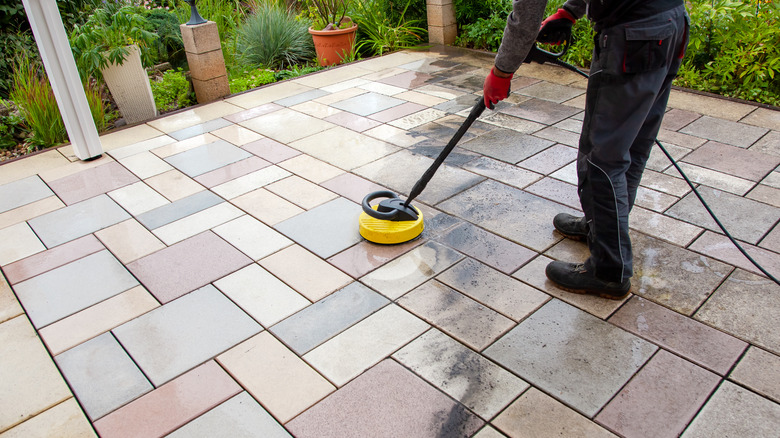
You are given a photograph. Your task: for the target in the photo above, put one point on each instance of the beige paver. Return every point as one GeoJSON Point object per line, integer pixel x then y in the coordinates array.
{"type": "Point", "coordinates": [308, 274]}
{"type": "Point", "coordinates": [129, 240]}
{"type": "Point", "coordinates": [63, 420]}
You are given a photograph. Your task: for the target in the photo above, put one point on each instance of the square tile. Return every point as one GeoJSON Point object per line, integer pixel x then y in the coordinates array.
{"type": "Point", "coordinates": [208, 157]}
{"type": "Point", "coordinates": [239, 417]}
{"type": "Point", "coordinates": [102, 375]}
{"type": "Point", "coordinates": [308, 274]}
{"type": "Point", "coordinates": [31, 383]}
{"type": "Point", "coordinates": [278, 125]}
{"type": "Point", "coordinates": [325, 230]}
{"type": "Point", "coordinates": [187, 265]}
{"type": "Point", "coordinates": [466, 376]}
{"type": "Point", "coordinates": [77, 220]}
{"type": "Point", "coordinates": [181, 208]}
{"type": "Point", "coordinates": [328, 317]}
{"type": "Point", "coordinates": [457, 315]}
{"type": "Point", "coordinates": [387, 400]}
{"type": "Point", "coordinates": [252, 237]}
{"type": "Point", "coordinates": [172, 405]}
{"type": "Point", "coordinates": [275, 376]}
{"type": "Point", "coordinates": [19, 241]}
{"type": "Point", "coordinates": [735, 411]}
{"type": "Point", "coordinates": [264, 297]}
{"type": "Point", "coordinates": [537, 414]}
{"type": "Point", "coordinates": [138, 198]}
{"type": "Point", "coordinates": [511, 213]}
{"type": "Point", "coordinates": [317, 109]}
{"type": "Point", "coordinates": [344, 148]}
{"type": "Point", "coordinates": [52, 258]}
{"type": "Point", "coordinates": [744, 306]}
{"type": "Point", "coordinates": [95, 320]}
{"type": "Point", "coordinates": [249, 182]}
{"type": "Point", "coordinates": [365, 344]}
{"type": "Point", "coordinates": [68, 289]}
{"type": "Point", "coordinates": [271, 150]}
{"type": "Point", "coordinates": [22, 192]}
{"type": "Point", "coordinates": [301, 192]}
{"type": "Point", "coordinates": [266, 207]}
{"type": "Point", "coordinates": [745, 219]}
{"type": "Point", "coordinates": [411, 269]}
{"type": "Point", "coordinates": [129, 240]}
{"type": "Point", "coordinates": [561, 347]}
{"type": "Point", "coordinates": [185, 333]}
{"type": "Point", "coordinates": [507, 145]}
{"type": "Point", "coordinates": [367, 104]}
{"type": "Point", "coordinates": [491, 288]}
{"type": "Point", "coordinates": [660, 400]}
{"type": "Point", "coordinates": [758, 371]}
{"type": "Point", "coordinates": [688, 338]}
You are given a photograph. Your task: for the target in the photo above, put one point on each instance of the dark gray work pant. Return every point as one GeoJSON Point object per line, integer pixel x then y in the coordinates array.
{"type": "Point", "coordinates": [631, 76]}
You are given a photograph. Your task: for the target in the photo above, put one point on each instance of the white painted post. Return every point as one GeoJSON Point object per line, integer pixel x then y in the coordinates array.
{"type": "Point", "coordinates": [57, 56]}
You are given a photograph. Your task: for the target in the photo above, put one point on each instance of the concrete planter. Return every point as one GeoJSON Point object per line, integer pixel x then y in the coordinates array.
{"type": "Point", "coordinates": [129, 85]}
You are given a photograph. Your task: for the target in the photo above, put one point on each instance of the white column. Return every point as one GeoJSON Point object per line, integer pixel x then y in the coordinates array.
{"type": "Point", "coordinates": [57, 56]}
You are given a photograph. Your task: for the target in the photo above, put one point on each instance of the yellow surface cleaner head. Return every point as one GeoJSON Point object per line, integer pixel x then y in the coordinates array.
{"type": "Point", "coordinates": [390, 221]}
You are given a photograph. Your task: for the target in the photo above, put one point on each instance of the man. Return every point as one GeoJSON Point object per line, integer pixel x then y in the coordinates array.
{"type": "Point", "coordinates": [639, 45]}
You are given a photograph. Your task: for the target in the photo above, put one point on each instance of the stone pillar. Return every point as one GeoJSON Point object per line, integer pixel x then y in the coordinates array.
{"type": "Point", "coordinates": [442, 27]}
{"type": "Point", "coordinates": [60, 66]}
{"type": "Point", "coordinates": [207, 65]}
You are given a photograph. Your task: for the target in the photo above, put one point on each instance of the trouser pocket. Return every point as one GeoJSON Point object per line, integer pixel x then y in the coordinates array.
{"type": "Point", "coordinates": [648, 48]}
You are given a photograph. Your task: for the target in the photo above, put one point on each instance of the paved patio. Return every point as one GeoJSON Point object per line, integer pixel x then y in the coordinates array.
{"type": "Point", "coordinates": [205, 277]}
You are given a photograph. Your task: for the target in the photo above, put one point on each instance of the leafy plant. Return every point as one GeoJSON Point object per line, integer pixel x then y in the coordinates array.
{"type": "Point", "coordinates": [11, 128]}
{"type": "Point", "coordinates": [173, 91]}
{"type": "Point", "coordinates": [378, 34]}
{"type": "Point", "coordinates": [105, 36]}
{"type": "Point", "coordinates": [295, 71]}
{"type": "Point", "coordinates": [273, 38]}
{"type": "Point", "coordinates": [12, 44]}
{"type": "Point", "coordinates": [484, 34]}
{"type": "Point", "coordinates": [168, 44]}
{"type": "Point", "coordinates": [98, 107]}
{"type": "Point", "coordinates": [331, 14]}
{"type": "Point", "coordinates": [34, 97]}
{"type": "Point", "coordinates": [249, 79]}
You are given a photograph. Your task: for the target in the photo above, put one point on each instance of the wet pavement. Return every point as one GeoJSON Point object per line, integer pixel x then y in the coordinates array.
{"type": "Point", "coordinates": [206, 277]}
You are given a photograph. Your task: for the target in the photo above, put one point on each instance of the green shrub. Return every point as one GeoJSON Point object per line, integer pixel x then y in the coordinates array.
{"type": "Point", "coordinates": [171, 92]}
{"type": "Point", "coordinates": [98, 106]}
{"type": "Point", "coordinates": [484, 34]}
{"type": "Point", "coordinates": [168, 45]}
{"type": "Point", "coordinates": [34, 97]}
{"type": "Point", "coordinates": [11, 129]}
{"type": "Point", "coordinates": [273, 38]}
{"type": "Point", "coordinates": [12, 44]}
{"type": "Point", "coordinates": [249, 79]}
{"type": "Point", "coordinates": [378, 34]}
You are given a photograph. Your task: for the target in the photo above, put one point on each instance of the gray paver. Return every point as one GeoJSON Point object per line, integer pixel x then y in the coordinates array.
{"type": "Point", "coordinates": [507, 145]}
{"type": "Point", "coordinates": [179, 209]}
{"type": "Point", "coordinates": [367, 103]}
{"type": "Point", "coordinates": [77, 220]}
{"type": "Point", "coordinates": [192, 131]}
{"type": "Point", "coordinates": [185, 333]}
{"type": "Point", "coordinates": [500, 253]}
{"type": "Point", "coordinates": [208, 157]}
{"type": "Point", "coordinates": [725, 131]}
{"type": "Point", "coordinates": [102, 375]}
{"type": "Point", "coordinates": [560, 347]}
{"type": "Point", "coordinates": [325, 230]}
{"type": "Point", "coordinates": [541, 111]}
{"type": "Point", "coordinates": [327, 317]}
{"type": "Point", "coordinates": [500, 171]}
{"type": "Point", "coordinates": [21, 192]}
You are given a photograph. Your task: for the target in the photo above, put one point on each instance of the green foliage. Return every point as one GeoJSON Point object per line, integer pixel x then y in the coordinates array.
{"type": "Point", "coordinates": [273, 38]}
{"type": "Point", "coordinates": [104, 38]}
{"type": "Point", "coordinates": [483, 34]}
{"type": "Point", "coordinates": [330, 14]}
{"type": "Point", "coordinates": [12, 44]}
{"type": "Point", "coordinates": [34, 97]}
{"type": "Point", "coordinates": [98, 107]}
{"type": "Point", "coordinates": [12, 14]}
{"type": "Point", "coordinates": [249, 79]}
{"type": "Point", "coordinates": [296, 70]}
{"type": "Point", "coordinates": [75, 12]}
{"type": "Point", "coordinates": [471, 11]}
{"type": "Point", "coordinates": [415, 11]}
{"type": "Point", "coordinates": [378, 34]}
{"type": "Point", "coordinates": [172, 92]}
{"type": "Point", "coordinates": [168, 45]}
{"type": "Point", "coordinates": [11, 129]}
{"type": "Point", "coordinates": [228, 14]}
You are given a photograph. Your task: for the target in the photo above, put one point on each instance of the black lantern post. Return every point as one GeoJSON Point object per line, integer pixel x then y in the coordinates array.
{"type": "Point", "coordinates": [195, 17]}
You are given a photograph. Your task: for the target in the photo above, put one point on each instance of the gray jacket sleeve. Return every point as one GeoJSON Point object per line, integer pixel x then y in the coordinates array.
{"type": "Point", "coordinates": [521, 29]}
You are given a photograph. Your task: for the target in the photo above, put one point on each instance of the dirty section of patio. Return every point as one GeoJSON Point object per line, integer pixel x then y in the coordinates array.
{"type": "Point", "coordinates": [205, 277]}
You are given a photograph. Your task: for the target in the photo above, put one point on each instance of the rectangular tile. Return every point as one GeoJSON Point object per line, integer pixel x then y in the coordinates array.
{"type": "Point", "coordinates": [174, 211]}
{"type": "Point", "coordinates": [29, 211]}
{"type": "Point", "coordinates": [277, 125]}
{"type": "Point", "coordinates": [138, 198]}
{"type": "Point", "coordinates": [308, 274]}
{"type": "Point", "coordinates": [365, 344]}
{"type": "Point", "coordinates": [501, 254]}
{"type": "Point", "coordinates": [758, 370]}
{"type": "Point", "coordinates": [187, 265]}
{"type": "Point", "coordinates": [303, 193]}
{"type": "Point", "coordinates": [22, 192]}
{"type": "Point", "coordinates": [264, 297]}
{"type": "Point", "coordinates": [102, 375]}
{"type": "Point", "coordinates": [129, 240]}
{"type": "Point", "coordinates": [208, 157]}
{"type": "Point", "coordinates": [52, 258]}
{"type": "Point", "coordinates": [465, 375]}
{"type": "Point", "coordinates": [328, 317]}
{"type": "Point", "coordinates": [232, 171]}
{"type": "Point", "coordinates": [266, 207]}
{"type": "Point", "coordinates": [252, 237]}
{"type": "Point", "coordinates": [174, 338]}
{"type": "Point", "coordinates": [197, 223]}
{"type": "Point", "coordinates": [325, 230]}
{"type": "Point", "coordinates": [271, 150]}
{"type": "Point", "coordinates": [174, 185]}
{"type": "Point", "coordinates": [275, 376]}
{"type": "Point", "coordinates": [172, 405]}
{"type": "Point", "coordinates": [64, 419]}
{"type": "Point", "coordinates": [19, 242]}
{"type": "Point", "coordinates": [77, 220]}
{"type": "Point", "coordinates": [9, 306]}
{"type": "Point", "coordinates": [92, 182]}
{"type": "Point", "coordinates": [68, 289]}
{"type": "Point", "coordinates": [250, 182]}
{"type": "Point", "coordinates": [145, 165]}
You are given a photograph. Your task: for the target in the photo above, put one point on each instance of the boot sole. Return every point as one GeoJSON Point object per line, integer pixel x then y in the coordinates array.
{"type": "Point", "coordinates": [577, 237]}
{"type": "Point", "coordinates": [592, 292]}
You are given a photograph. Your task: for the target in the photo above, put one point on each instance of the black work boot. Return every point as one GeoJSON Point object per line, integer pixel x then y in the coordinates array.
{"type": "Point", "coordinates": [575, 277]}
{"type": "Point", "coordinates": [573, 227]}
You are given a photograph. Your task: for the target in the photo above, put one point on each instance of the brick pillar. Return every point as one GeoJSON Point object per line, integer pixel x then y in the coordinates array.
{"type": "Point", "coordinates": [207, 65]}
{"type": "Point", "coordinates": [442, 28]}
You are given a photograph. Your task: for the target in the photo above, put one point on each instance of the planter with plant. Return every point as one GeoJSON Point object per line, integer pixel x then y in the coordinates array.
{"type": "Point", "coordinates": [333, 31]}
{"type": "Point", "coordinates": [114, 44]}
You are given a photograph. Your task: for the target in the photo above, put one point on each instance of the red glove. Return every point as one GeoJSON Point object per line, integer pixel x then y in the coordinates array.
{"type": "Point", "coordinates": [556, 28]}
{"type": "Point", "coordinates": [496, 88]}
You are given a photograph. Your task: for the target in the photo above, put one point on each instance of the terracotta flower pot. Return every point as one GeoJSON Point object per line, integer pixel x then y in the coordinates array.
{"type": "Point", "coordinates": [333, 46]}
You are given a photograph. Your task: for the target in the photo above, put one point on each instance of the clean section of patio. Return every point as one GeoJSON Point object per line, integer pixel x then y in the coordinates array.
{"type": "Point", "coordinates": [206, 277]}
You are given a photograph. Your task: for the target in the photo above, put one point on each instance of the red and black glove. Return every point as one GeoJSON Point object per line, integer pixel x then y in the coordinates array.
{"type": "Point", "coordinates": [556, 28]}
{"type": "Point", "coordinates": [496, 88]}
